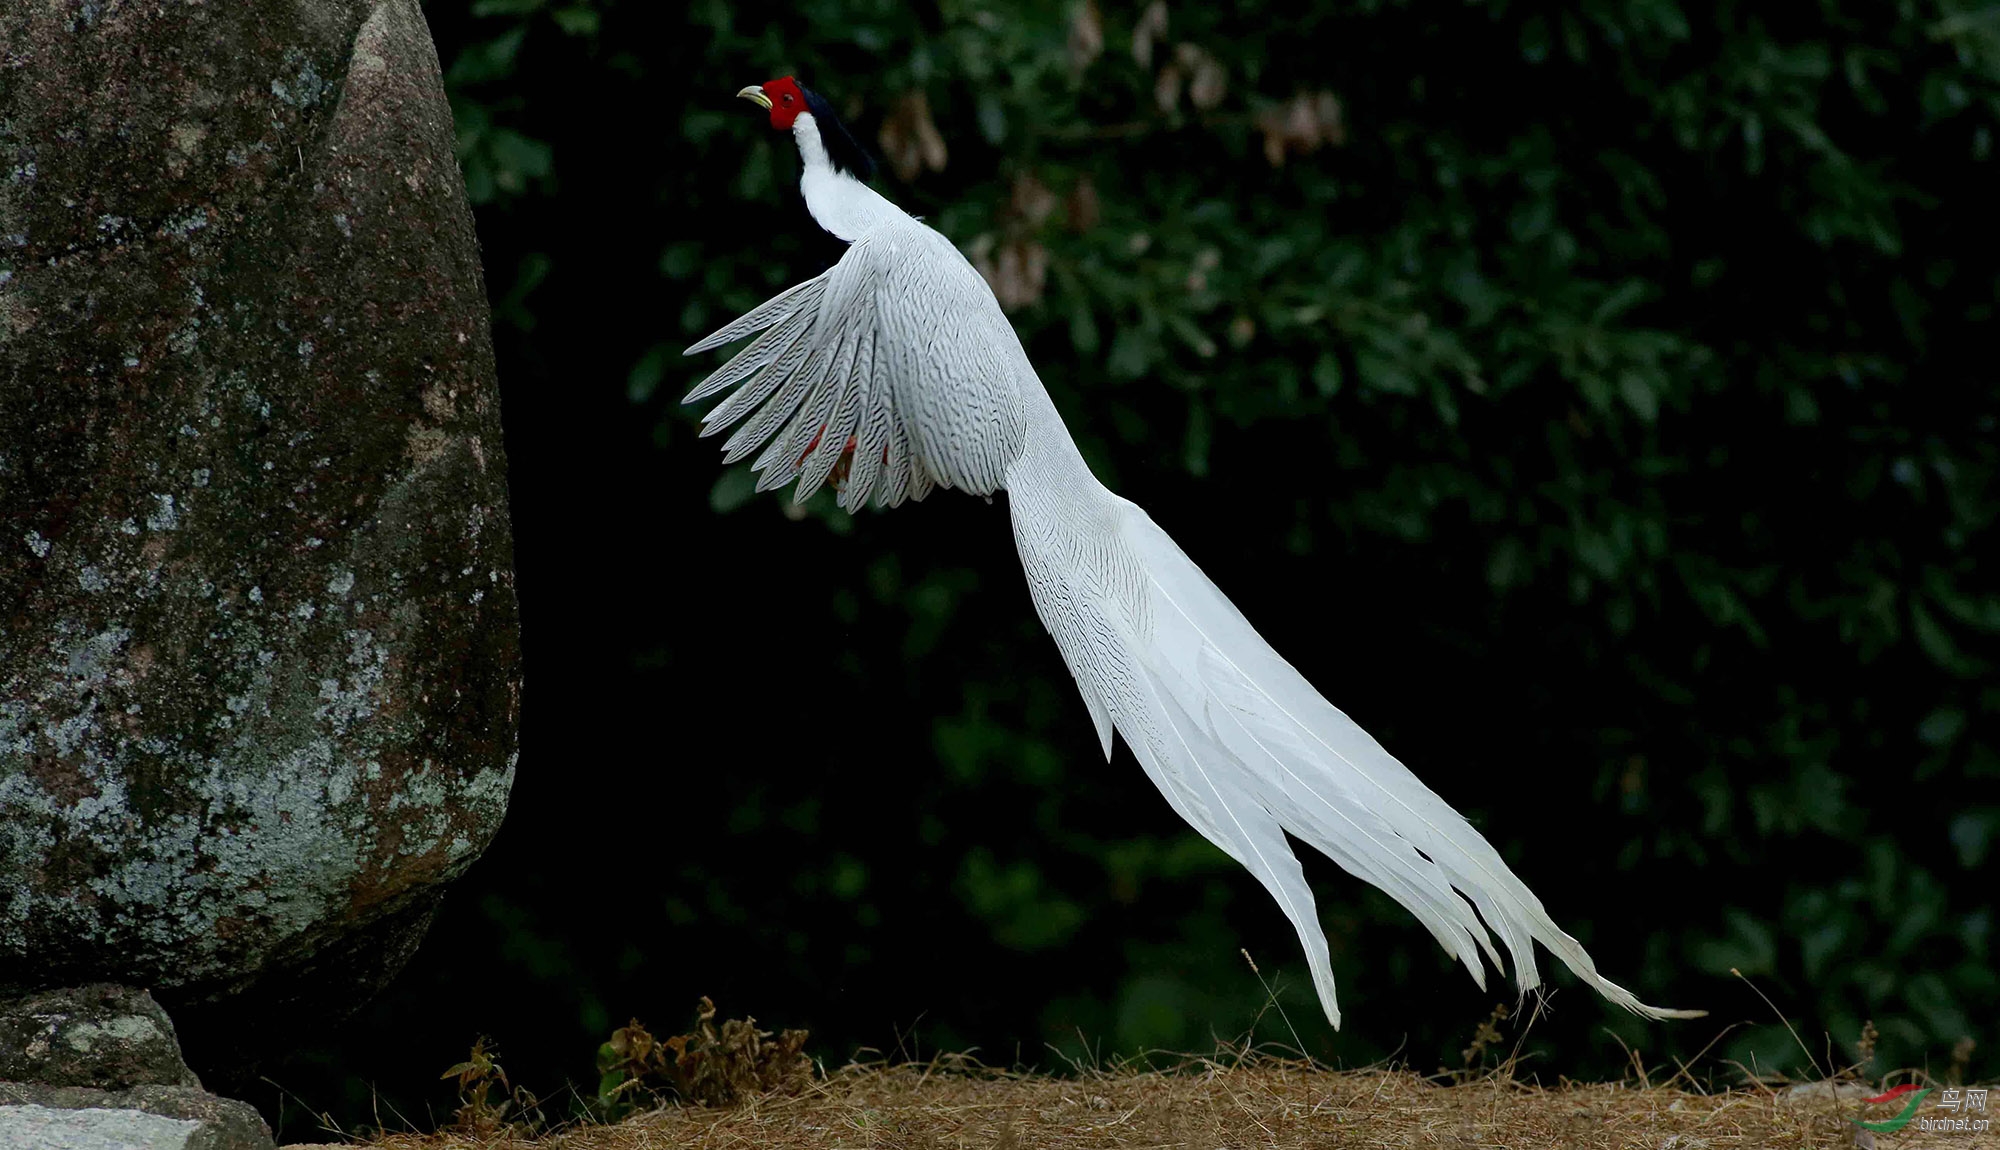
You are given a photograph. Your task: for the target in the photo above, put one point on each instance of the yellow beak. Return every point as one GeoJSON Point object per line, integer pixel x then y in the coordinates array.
{"type": "Point", "coordinates": [755, 94]}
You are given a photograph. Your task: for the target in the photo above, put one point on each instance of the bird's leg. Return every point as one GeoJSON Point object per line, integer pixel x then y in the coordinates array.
{"type": "Point", "coordinates": [843, 465]}
{"type": "Point", "coordinates": [810, 447]}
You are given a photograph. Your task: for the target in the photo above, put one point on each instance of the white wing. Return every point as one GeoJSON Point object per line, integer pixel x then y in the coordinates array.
{"type": "Point", "coordinates": [897, 354]}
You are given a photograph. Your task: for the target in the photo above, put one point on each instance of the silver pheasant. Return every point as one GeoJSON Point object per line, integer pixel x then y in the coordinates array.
{"type": "Point", "coordinates": [897, 367]}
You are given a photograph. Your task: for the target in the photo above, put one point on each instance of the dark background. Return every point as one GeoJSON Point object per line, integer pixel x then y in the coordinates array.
{"type": "Point", "coordinates": [1596, 400]}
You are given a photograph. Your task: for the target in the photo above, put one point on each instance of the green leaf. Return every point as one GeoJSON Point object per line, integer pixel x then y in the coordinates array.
{"type": "Point", "coordinates": [733, 488]}
{"type": "Point", "coordinates": [1195, 451]}
{"type": "Point", "coordinates": [1972, 833]}
{"type": "Point", "coordinates": [576, 20]}
{"type": "Point", "coordinates": [646, 374]}
{"type": "Point", "coordinates": [1638, 394]}
{"type": "Point", "coordinates": [488, 61]}
{"type": "Point", "coordinates": [1326, 373]}
{"type": "Point", "coordinates": [1934, 640]}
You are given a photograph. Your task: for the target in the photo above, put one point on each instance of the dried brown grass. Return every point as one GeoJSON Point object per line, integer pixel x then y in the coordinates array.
{"type": "Point", "coordinates": [1206, 1104]}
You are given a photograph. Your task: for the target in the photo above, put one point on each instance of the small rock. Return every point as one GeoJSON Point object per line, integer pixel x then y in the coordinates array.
{"type": "Point", "coordinates": [102, 1035]}
{"type": "Point", "coordinates": [93, 1129]}
{"type": "Point", "coordinates": [142, 1118]}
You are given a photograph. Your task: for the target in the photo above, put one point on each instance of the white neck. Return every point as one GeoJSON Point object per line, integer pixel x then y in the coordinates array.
{"type": "Point", "coordinates": [838, 202]}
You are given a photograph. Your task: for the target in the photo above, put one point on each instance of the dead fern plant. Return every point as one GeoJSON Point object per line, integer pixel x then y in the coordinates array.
{"type": "Point", "coordinates": [514, 1113]}
{"type": "Point", "coordinates": [713, 1064]}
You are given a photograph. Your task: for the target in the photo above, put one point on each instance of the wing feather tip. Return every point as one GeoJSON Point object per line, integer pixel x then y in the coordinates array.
{"type": "Point", "coordinates": [705, 343]}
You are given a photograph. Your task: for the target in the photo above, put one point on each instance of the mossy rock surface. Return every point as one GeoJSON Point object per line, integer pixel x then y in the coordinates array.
{"type": "Point", "coordinates": [259, 647]}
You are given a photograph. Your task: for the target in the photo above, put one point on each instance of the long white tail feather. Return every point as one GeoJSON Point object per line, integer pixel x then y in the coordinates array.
{"type": "Point", "coordinates": [1246, 750]}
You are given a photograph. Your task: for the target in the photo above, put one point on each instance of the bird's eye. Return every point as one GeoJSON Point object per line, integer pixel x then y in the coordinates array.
{"type": "Point", "coordinates": [788, 97]}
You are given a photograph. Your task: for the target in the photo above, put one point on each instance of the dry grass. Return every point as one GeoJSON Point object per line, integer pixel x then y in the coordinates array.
{"type": "Point", "coordinates": [762, 1093]}
{"type": "Point", "coordinates": [1207, 1104]}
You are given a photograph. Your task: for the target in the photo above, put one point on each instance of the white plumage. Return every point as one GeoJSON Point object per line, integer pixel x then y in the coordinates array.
{"type": "Point", "coordinates": [901, 354]}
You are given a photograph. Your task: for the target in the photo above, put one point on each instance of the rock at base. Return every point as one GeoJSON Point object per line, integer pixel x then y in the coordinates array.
{"type": "Point", "coordinates": [105, 1036]}
{"type": "Point", "coordinates": [142, 1118]}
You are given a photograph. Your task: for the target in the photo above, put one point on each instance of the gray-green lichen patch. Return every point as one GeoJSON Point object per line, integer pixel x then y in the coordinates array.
{"type": "Point", "coordinates": [259, 673]}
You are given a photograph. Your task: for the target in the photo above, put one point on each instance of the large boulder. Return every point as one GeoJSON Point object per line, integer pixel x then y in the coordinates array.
{"type": "Point", "coordinates": [259, 670]}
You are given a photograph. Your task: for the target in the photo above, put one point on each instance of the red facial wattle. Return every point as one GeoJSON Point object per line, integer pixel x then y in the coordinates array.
{"type": "Point", "coordinates": [787, 101]}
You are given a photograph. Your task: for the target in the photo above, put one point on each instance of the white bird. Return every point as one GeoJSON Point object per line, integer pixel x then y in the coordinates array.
{"type": "Point", "coordinates": [897, 366]}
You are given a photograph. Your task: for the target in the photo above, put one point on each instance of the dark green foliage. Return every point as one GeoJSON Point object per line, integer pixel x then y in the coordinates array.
{"type": "Point", "coordinates": [1597, 402]}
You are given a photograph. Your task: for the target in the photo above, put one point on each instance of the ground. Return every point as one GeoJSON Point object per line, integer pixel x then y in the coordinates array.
{"type": "Point", "coordinates": [1205, 1105]}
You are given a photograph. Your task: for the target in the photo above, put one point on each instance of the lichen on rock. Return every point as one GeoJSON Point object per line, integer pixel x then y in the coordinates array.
{"type": "Point", "coordinates": [102, 1036]}
{"type": "Point", "coordinates": [259, 671]}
